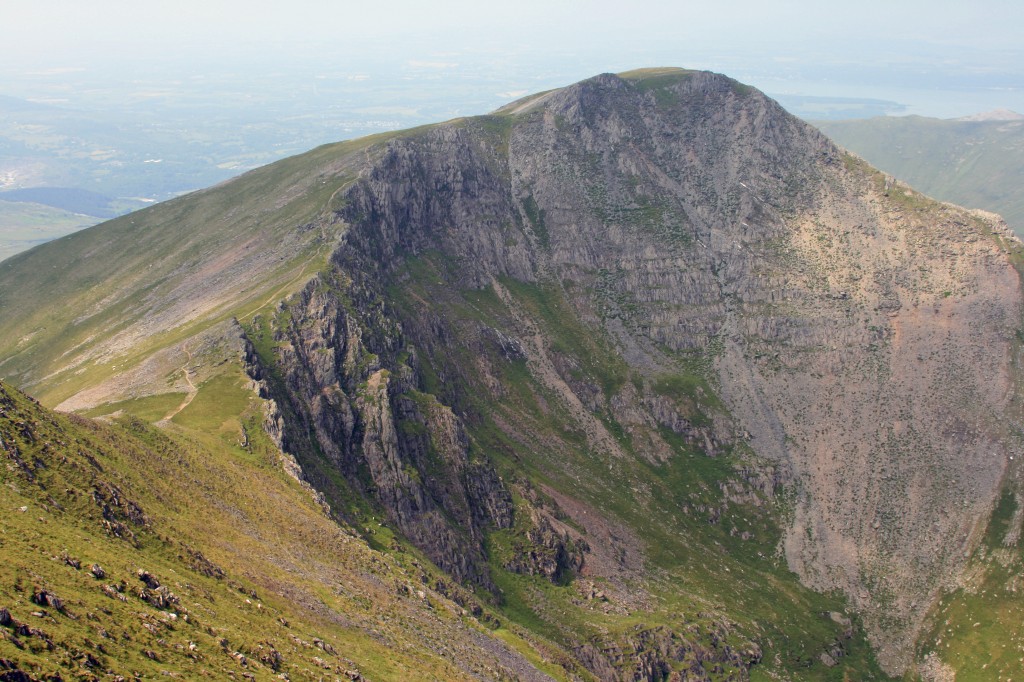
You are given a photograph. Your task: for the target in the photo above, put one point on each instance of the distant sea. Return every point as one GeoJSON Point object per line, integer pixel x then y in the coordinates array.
{"type": "Point", "coordinates": [897, 102]}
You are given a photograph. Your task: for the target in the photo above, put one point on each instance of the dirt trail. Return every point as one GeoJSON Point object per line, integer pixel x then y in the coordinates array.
{"type": "Point", "coordinates": [192, 390]}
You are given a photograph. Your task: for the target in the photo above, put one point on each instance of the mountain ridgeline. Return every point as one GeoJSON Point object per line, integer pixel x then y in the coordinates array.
{"type": "Point", "coordinates": [976, 161]}
{"type": "Point", "coordinates": [671, 385]}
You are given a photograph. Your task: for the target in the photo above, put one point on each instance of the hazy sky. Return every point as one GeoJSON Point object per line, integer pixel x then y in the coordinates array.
{"type": "Point", "coordinates": [865, 48]}
{"type": "Point", "coordinates": [47, 28]}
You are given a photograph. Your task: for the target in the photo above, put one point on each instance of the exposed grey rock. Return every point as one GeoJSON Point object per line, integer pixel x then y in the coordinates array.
{"type": "Point", "coordinates": [46, 598]}
{"type": "Point", "coordinates": [548, 551]}
{"type": "Point", "coordinates": [372, 421]}
{"type": "Point", "coordinates": [711, 218]}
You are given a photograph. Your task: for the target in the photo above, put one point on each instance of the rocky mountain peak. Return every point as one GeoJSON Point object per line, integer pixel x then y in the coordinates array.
{"type": "Point", "coordinates": [647, 331]}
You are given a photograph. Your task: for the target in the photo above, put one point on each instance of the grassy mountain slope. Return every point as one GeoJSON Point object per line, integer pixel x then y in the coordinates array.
{"type": "Point", "coordinates": [24, 225]}
{"type": "Point", "coordinates": [247, 575]}
{"type": "Point", "coordinates": [163, 271]}
{"type": "Point", "coordinates": [636, 360]}
{"type": "Point", "coordinates": [975, 630]}
{"type": "Point", "coordinates": [972, 163]}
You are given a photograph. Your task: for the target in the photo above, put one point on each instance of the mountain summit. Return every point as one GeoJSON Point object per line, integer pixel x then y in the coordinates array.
{"type": "Point", "coordinates": [667, 378]}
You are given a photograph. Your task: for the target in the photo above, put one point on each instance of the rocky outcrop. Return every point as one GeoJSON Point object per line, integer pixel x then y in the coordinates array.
{"type": "Point", "coordinates": [661, 653]}
{"type": "Point", "coordinates": [346, 376]}
{"type": "Point", "coordinates": [547, 550]}
{"type": "Point", "coordinates": [445, 190]}
{"type": "Point", "coordinates": [418, 458]}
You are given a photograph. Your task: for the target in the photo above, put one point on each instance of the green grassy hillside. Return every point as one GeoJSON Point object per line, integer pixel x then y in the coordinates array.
{"type": "Point", "coordinates": [181, 265]}
{"type": "Point", "coordinates": [187, 551]}
{"type": "Point", "coordinates": [24, 225]}
{"type": "Point", "coordinates": [979, 164]}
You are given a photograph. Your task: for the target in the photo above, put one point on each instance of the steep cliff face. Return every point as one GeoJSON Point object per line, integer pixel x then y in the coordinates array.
{"type": "Point", "coordinates": [623, 355]}
{"type": "Point", "coordinates": [854, 337]}
{"type": "Point", "coordinates": [888, 378]}
{"type": "Point", "coordinates": [398, 445]}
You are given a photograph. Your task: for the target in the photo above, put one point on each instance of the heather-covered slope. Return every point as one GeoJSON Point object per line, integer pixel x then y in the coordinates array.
{"type": "Point", "coordinates": [622, 356]}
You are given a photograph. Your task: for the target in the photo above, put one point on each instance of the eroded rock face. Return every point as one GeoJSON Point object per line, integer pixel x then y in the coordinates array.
{"type": "Point", "coordinates": [548, 551]}
{"type": "Point", "coordinates": [397, 445]}
{"type": "Point", "coordinates": [859, 335]}
{"type": "Point", "coordinates": [664, 654]}
{"type": "Point", "coordinates": [887, 391]}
